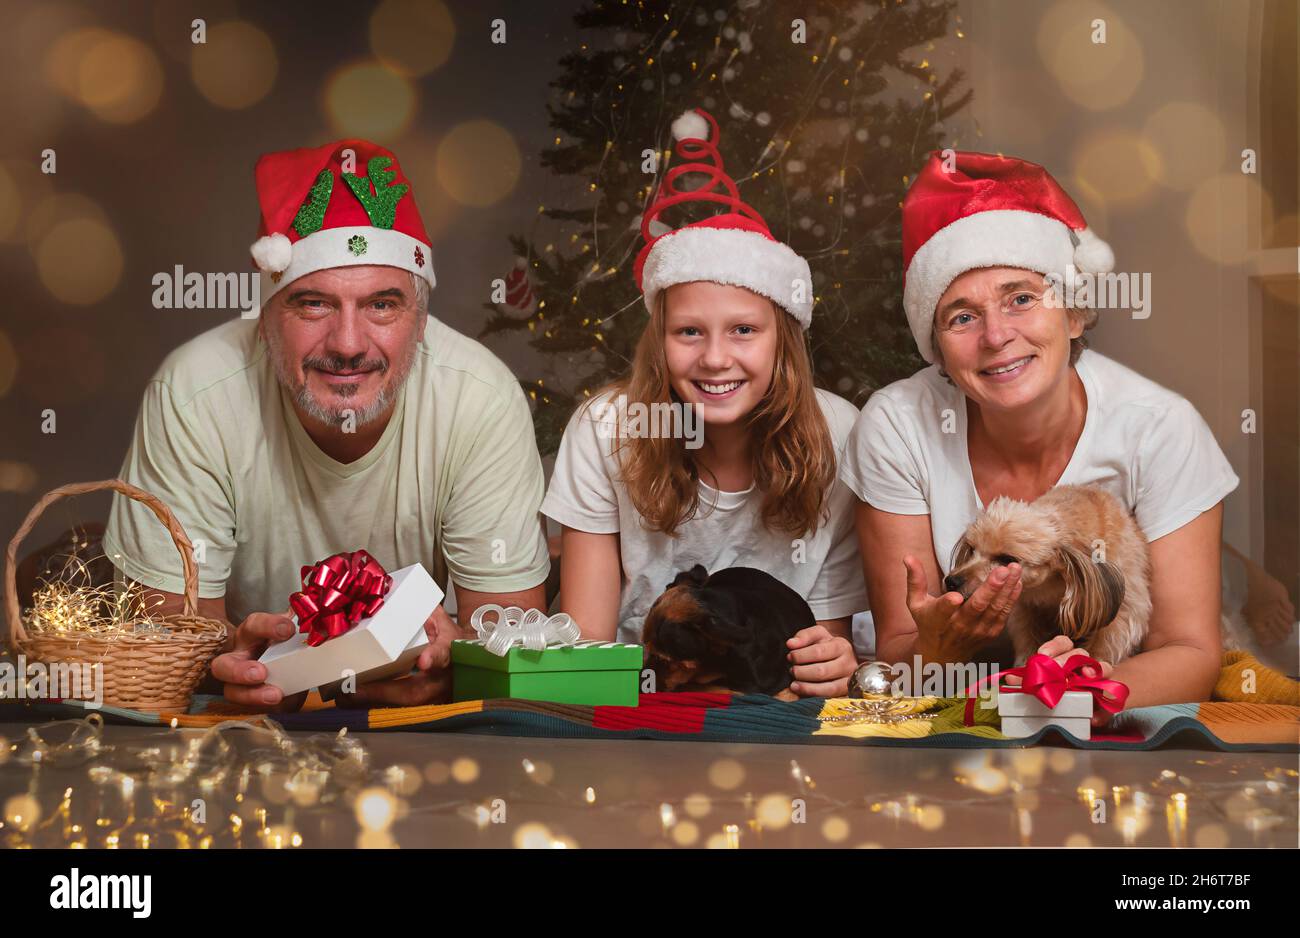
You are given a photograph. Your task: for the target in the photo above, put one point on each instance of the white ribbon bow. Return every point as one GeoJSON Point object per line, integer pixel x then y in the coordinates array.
{"type": "Point", "coordinates": [512, 626]}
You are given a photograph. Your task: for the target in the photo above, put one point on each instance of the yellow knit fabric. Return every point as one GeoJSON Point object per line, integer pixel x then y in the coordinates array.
{"type": "Point", "coordinates": [1270, 686]}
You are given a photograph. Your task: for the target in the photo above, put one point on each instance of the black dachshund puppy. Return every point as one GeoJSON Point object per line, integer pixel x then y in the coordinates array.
{"type": "Point", "coordinates": [727, 631]}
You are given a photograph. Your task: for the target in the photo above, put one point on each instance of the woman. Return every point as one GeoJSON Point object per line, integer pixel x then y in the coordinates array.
{"type": "Point", "coordinates": [758, 488]}
{"type": "Point", "coordinates": [1014, 405]}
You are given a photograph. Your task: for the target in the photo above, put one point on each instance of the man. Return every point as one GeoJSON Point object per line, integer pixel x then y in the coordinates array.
{"type": "Point", "coordinates": [344, 417]}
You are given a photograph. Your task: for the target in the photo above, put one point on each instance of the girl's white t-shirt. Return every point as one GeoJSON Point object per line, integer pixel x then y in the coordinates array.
{"type": "Point", "coordinates": [1141, 442]}
{"type": "Point", "coordinates": [586, 494]}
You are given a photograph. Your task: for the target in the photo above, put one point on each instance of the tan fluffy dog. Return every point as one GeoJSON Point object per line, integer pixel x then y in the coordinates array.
{"type": "Point", "coordinates": [1083, 562]}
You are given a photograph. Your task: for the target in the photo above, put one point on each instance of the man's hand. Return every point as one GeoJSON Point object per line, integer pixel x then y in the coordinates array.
{"type": "Point", "coordinates": [950, 629]}
{"type": "Point", "coordinates": [431, 682]}
{"type": "Point", "coordinates": [243, 675]}
{"type": "Point", "coordinates": [823, 662]}
{"type": "Point", "coordinates": [1061, 649]}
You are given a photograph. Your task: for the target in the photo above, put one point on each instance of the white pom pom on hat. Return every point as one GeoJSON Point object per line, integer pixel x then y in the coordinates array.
{"type": "Point", "coordinates": [272, 253]}
{"type": "Point", "coordinates": [691, 125]}
{"type": "Point", "coordinates": [1092, 254]}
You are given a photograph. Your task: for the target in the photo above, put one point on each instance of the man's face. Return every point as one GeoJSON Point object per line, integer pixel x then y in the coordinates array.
{"type": "Point", "coordinates": [343, 340]}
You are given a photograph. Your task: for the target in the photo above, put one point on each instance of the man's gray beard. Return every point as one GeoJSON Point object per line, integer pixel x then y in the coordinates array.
{"type": "Point", "coordinates": [336, 417]}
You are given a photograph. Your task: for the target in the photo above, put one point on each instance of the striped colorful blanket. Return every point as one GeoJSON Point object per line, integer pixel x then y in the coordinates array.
{"type": "Point", "coordinates": [932, 722]}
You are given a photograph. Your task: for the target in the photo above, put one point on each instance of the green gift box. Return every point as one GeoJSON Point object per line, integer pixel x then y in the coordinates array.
{"type": "Point", "coordinates": [586, 673]}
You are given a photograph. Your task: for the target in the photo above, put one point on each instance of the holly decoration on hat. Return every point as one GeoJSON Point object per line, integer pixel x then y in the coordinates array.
{"type": "Point", "coordinates": [312, 214]}
{"type": "Point", "coordinates": [381, 206]}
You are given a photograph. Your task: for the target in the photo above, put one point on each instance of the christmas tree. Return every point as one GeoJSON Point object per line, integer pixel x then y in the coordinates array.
{"type": "Point", "coordinates": [826, 110]}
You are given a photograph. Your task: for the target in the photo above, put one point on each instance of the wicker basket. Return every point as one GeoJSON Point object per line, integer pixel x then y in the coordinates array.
{"type": "Point", "coordinates": [149, 670]}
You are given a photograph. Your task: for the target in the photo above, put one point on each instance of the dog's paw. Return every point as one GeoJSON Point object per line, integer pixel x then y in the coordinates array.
{"type": "Point", "coordinates": [787, 694]}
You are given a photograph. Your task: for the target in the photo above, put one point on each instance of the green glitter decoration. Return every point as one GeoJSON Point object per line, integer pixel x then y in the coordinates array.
{"type": "Point", "coordinates": [382, 205]}
{"type": "Point", "coordinates": [357, 245]}
{"type": "Point", "coordinates": [312, 214]}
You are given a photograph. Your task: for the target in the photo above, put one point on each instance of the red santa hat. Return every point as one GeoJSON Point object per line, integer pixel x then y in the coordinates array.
{"type": "Point", "coordinates": [341, 205]}
{"type": "Point", "coordinates": [734, 247]}
{"type": "Point", "coordinates": [978, 210]}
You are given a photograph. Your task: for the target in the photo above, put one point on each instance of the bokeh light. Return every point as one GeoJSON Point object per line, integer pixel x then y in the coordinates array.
{"type": "Point", "coordinates": [117, 77]}
{"type": "Point", "coordinates": [1190, 140]}
{"type": "Point", "coordinates": [774, 811]}
{"type": "Point", "coordinates": [726, 774]}
{"type": "Point", "coordinates": [55, 208]}
{"type": "Point", "coordinates": [1219, 215]}
{"type": "Point", "coordinates": [236, 67]}
{"type": "Point", "coordinates": [64, 56]}
{"type": "Point", "coordinates": [1212, 836]}
{"type": "Point", "coordinates": [17, 478]}
{"type": "Point", "coordinates": [1094, 75]}
{"type": "Point", "coordinates": [464, 770]}
{"type": "Point", "coordinates": [478, 163]}
{"type": "Point", "coordinates": [412, 37]}
{"type": "Point", "coordinates": [685, 833]}
{"type": "Point", "coordinates": [79, 261]}
{"type": "Point", "coordinates": [417, 154]}
{"type": "Point", "coordinates": [23, 187]}
{"type": "Point", "coordinates": [1116, 167]}
{"type": "Point", "coordinates": [375, 809]}
{"type": "Point", "coordinates": [367, 100]}
{"type": "Point", "coordinates": [835, 829]}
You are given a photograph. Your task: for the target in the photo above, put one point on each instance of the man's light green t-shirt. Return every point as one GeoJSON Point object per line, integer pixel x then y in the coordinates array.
{"type": "Point", "coordinates": [454, 482]}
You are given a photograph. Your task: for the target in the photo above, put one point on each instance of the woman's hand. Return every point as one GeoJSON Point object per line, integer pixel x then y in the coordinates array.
{"type": "Point", "coordinates": [243, 675]}
{"type": "Point", "coordinates": [1061, 649]}
{"type": "Point", "coordinates": [823, 662]}
{"type": "Point", "coordinates": [950, 629]}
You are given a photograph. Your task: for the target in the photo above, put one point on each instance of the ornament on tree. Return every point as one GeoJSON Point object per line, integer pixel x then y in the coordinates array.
{"type": "Point", "coordinates": [519, 291]}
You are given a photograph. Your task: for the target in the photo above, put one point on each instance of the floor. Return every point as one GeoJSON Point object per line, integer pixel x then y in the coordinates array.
{"type": "Point", "coordinates": [137, 786]}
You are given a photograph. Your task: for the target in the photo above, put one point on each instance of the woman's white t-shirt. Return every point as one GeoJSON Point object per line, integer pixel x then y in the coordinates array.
{"type": "Point", "coordinates": [1141, 442]}
{"type": "Point", "coordinates": [586, 494]}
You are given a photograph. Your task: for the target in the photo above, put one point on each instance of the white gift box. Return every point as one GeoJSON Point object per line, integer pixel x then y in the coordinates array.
{"type": "Point", "coordinates": [384, 645]}
{"type": "Point", "coordinates": [1024, 714]}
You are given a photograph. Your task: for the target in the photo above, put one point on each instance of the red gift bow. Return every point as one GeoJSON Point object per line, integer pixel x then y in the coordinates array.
{"type": "Point", "coordinates": [339, 592]}
{"type": "Point", "coordinates": [1047, 680]}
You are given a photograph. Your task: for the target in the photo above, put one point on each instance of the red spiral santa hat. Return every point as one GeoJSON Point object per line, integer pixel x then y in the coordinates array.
{"type": "Point", "coordinates": [734, 247]}
{"type": "Point", "coordinates": [978, 210]}
{"type": "Point", "coordinates": [340, 205]}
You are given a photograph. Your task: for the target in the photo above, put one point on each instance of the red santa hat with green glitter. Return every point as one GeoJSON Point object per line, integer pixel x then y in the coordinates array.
{"type": "Point", "coordinates": [340, 205]}
{"type": "Point", "coordinates": [969, 210]}
{"type": "Point", "coordinates": [733, 247]}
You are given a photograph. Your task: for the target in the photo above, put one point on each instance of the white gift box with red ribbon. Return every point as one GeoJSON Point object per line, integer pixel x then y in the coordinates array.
{"type": "Point", "coordinates": [384, 645]}
{"type": "Point", "coordinates": [1024, 714]}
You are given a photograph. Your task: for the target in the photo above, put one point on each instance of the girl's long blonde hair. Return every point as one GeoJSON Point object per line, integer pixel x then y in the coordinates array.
{"type": "Point", "coordinates": [793, 456]}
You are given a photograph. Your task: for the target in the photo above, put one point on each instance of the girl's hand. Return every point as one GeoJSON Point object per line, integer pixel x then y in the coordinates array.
{"type": "Point", "coordinates": [1061, 649]}
{"type": "Point", "coordinates": [823, 662]}
{"type": "Point", "coordinates": [952, 629]}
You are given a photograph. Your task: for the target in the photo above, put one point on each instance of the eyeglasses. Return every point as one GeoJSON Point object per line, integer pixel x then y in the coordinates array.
{"type": "Point", "coordinates": [1016, 305]}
